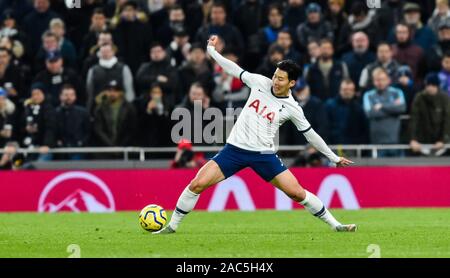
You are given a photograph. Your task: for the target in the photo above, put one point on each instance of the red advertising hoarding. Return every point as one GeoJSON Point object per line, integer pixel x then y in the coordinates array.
{"type": "Point", "coordinates": [117, 190]}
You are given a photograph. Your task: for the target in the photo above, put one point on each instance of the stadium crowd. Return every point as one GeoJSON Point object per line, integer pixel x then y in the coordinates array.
{"type": "Point", "coordinates": [111, 72]}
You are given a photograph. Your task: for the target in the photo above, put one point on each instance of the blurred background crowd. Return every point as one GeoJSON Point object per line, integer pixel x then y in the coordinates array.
{"type": "Point", "coordinates": [111, 72]}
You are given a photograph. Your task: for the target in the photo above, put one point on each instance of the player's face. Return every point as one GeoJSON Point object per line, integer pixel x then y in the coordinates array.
{"type": "Point", "coordinates": [281, 83]}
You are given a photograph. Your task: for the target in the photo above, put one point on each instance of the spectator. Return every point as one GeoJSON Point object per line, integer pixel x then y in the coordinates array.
{"type": "Point", "coordinates": [175, 24]}
{"type": "Point", "coordinates": [115, 118]}
{"type": "Point", "coordinates": [7, 108]}
{"type": "Point", "coordinates": [51, 43]}
{"type": "Point", "coordinates": [295, 14]}
{"type": "Point", "coordinates": [229, 91]}
{"type": "Point", "coordinates": [248, 18]}
{"type": "Point", "coordinates": [178, 49]}
{"type": "Point", "coordinates": [220, 27]}
{"type": "Point", "coordinates": [66, 47]}
{"type": "Point", "coordinates": [158, 70]}
{"type": "Point", "coordinates": [434, 56]}
{"type": "Point", "coordinates": [314, 28]}
{"type": "Point", "coordinates": [132, 36]}
{"type": "Point", "coordinates": [98, 25]}
{"type": "Point", "coordinates": [12, 159]}
{"type": "Point", "coordinates": [108, 68]}
{"type": "Point", "coordinates": [390, 14]}
{"type": "Point", "coordinates": [161, 16]}
{"type": "Point", "coordinates": [309, 158]}
{"type": "Point", "coordinates": [407, 52]}
{"type": "Point", "coordinates": [269, 34]}
{"type": "Point", "coordinates": [325, 76]}
{"type": "Point", "coordinates": [11, 30]}
{"type": "Point", "coordinates": [39, 122]}
{"type": "Point", "coordinates": [284, 40]}
{"type": "Point", "coordinates": [185, 157]}
{"type": "Point", "coordinates": [269, 64]}
{"type": "Point", "coordinates": [383, 105]}
{"type": "Point", "coordinates": [441, 15]}
{"type": "Point", "coordinates": [385, 61]}
{"type": "Point", "coordinates": [36, 23]}
{"type": "Point", "coordinates": [104, 37]}
{"type": "Point", "coordinates": [360, 57]}
{"type": "Point", "coordinates": [73, 122]}
{"type": "Point", "coordinates": [11, 77]}
{"type": "Point", "coordinates": [314, 111]}
{"type": "Point", "coordinates": [430, 117]}
{"type": "Point", "coordinates": [153, 117]}
{"type": "Point", "coordinates": [197, 69]}
{"type": "Point", "coordinates": [420, 34]}
{"type": "Point", "coordinates": [405, 82]}
{"type": "Point", "coordinates": [313, 55]}
{"type": "Point", "coordinates": [55, 75]}
{"type": "Point", "coordinates": [346, 118]}
{"type": "Point", "coordinates": [337, 17]}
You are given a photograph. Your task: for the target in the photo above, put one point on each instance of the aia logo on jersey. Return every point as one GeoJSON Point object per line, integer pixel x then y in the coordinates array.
{"type": "Point", "coordinates": [263, 112]}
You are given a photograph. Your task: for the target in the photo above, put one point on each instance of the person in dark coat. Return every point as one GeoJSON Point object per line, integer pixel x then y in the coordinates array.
{"type": "Point", "coordinates": [55, 75]}
{"type": "Point", "coordinates": [37, 21]}
{"type": "Point", "coordinates": [72, 122]}
{"type": "Point", "coordinates": [132, 37]}
{"type": "Point", "coordinates": [39, 122]}
{"type": "Point", "coordinates": [315, 28]}
{"type": "Point", "coordinates": [430, 117]}
{"type": "Point", "coordinates": [324, 77]}
{"type": "Point", "coordinates": [347, 122]}
{"type": "Point", "coordinates": [158, 70]}
{"type": "Point", "coordinates": [154, 118]}
{"type": "Point", "coordinates": [357, 59]}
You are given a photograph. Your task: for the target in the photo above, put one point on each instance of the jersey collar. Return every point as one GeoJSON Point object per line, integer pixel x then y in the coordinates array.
{"type": "Point", "coordinates": [273, 94]}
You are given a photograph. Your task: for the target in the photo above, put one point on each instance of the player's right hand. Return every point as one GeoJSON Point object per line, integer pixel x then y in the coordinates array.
{"type": "Point", "coordinates": [212, 40]}
{"type": "Point", "coordinates": [344, 162]}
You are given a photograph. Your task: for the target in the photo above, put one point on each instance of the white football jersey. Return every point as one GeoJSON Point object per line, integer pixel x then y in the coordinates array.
{"type": "Point", "coordinates": [263, 114]}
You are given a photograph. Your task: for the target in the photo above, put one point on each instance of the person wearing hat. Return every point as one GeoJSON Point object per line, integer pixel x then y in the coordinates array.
{"type": "Point", "coordinates": [178, 49]}
{"type": "Point", "coordinates": [114, 118]}
{"type": "Point", "coordinates": [55, 75]}
{"type": "Point", "coordinates": [185, 157]}
{"type": "Point", "coordinates": [421, 34]}
{"type": "Point", "coordinates": [430, 117]}
{"type": "Point", "coordinates": [434, 56]}
{"type": "Point", "coordinates": [315, 27]}
{"type": "Point", "coordinates": [108, 68]}
{"type": "Point", "coordinates": [39, 122]}
{"type": "Point", "coordinates": [441, 15]}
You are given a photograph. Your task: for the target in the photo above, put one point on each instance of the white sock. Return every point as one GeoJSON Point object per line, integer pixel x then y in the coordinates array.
{"type": "Point", "coordinates": [315, 206]}
{"type": "Point", "coordinates": [185, 204]}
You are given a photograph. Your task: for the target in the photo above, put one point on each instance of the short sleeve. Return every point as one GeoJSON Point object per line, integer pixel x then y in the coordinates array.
{"type": "Point", "coordinates": [253, 80]}
{"type": "Point", "coordinates": [299, 119]}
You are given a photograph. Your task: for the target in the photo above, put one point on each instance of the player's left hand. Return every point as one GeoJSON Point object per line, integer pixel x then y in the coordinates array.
{"type": "Point", "coordinates": [344, 162]}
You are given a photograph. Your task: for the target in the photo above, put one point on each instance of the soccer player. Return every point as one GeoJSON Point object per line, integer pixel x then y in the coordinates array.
{"type": "Point", "coordinates": [251, 143]}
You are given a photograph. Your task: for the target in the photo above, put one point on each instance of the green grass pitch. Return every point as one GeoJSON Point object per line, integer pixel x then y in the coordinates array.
{"type": "Point", "coordinates": [262, 234]}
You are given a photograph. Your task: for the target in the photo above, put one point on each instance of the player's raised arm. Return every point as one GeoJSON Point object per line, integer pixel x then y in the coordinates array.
{"type": "Point", "coordinates": [229, 66]}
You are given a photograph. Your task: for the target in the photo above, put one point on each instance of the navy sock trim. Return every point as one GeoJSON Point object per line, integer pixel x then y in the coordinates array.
{"type": "Point", "coordinates": [177, 209]}
{"type": "Point", "coordinates": [320, 213]}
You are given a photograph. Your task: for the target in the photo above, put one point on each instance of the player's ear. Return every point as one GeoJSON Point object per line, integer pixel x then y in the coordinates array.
{"type": "Point", "coordinates": [292, 83]}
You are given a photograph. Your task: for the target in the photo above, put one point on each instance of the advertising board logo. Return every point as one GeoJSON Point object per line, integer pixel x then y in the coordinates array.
{"type": "Point", "coordinates": [76, 192]}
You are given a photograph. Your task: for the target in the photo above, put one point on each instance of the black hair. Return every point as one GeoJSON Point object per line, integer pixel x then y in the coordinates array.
{"type": "Point", "coordinates": [156, 44]}
{"type": "Point", "coordinates": [99, 11]}
{"type": "Point", "coordinates": [446, 54]}
{"type": "Point", "coordinates": [293, 70]}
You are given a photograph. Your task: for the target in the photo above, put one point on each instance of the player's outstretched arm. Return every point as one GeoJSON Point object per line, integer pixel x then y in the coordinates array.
{"type": "Point", "coordinates": [229, 66]}
{"type": "Point", "coordinates": [322, 147]}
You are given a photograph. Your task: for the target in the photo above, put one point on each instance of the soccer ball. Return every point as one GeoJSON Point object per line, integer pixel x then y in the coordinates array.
{"type": "Point", "coordinates": [152, 218]}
